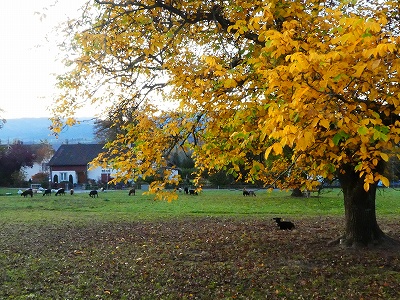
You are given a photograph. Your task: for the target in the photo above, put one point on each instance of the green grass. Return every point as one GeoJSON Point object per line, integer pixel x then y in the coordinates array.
{"type": "Point", "coordinates": [117, 205]}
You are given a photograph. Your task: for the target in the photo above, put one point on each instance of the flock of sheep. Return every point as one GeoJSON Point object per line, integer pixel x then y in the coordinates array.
{"type": "Point", "coordinates": [58, 192]}
{"type": "Point", "coordinates": [283, 225]}
{"type": "Point", "coordinates": [61, 191]}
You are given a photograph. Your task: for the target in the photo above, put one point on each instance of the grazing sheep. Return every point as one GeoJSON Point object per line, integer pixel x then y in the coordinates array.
{"type": "Point", "coordinates": [248, 193]}
{"type": "Point", "coordinates": [132, 192]}
{"type": "Point", "coordinates": [27, 192]}
{"type": "Point", "coordinates": [284, 225]}
{"type": "Point", "coordinates": [93, 194]}
{"type": "Point", "coordinates": [60, 192]}
{"type": "Point", "coordinates": [71, 191]}
{"type": "Point", "coordinates": [192, 192]}
{"type": "Point", "coordinates": [47, 192]}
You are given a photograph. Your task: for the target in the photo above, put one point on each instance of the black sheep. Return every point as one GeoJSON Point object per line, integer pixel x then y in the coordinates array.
{"type": "Point", "coordinates": [93, 194]}
{"type": "Point", "coordinates": [193, 192]}
{"type": "Point", "coordinates": [27, 192]}
{"type": "Point", "coordinates": [248, 193]}
{"type": "Point", "coordinates": [60, 192]}
{"type": "Point", "coordinates": [132, 192]}
{"type": "Point", "coordinates": [47, 192]}
{"type": "Point", "coordinates": [284, 225]}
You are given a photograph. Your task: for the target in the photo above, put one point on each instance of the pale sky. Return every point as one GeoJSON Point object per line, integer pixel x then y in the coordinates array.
{"type": "Point", "coordinates": [27, 58]}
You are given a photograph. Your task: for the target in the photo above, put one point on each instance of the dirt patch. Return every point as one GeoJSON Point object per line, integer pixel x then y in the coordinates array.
{"type": "Point", "coordinates": [207, 258]}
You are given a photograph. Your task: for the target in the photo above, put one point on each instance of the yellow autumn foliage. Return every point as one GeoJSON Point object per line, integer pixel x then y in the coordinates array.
{"type": "Point", "coordinates": [259, 88]}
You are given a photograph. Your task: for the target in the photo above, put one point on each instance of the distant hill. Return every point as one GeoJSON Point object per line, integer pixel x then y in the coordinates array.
{"type": "Point", "coordinates": [35, 130]}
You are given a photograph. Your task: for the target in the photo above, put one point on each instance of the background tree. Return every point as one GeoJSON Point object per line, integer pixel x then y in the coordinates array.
{"type": "Point", "coordinates": [41, 178]}
{"type": "Point", "coordinates": [103, 130]}
{"type": "Point", "coordinates": [2, 121]}
{"type": "Point", "coordinates": [252, 81]}
{"type": "Point", "coordinates": [42, 151]}
{"type": "Point", "coordinates": [12, 158]}
{"type": "Point", "coordinates": [118, 116]}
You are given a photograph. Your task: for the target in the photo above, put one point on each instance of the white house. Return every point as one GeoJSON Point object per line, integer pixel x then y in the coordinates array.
{"type": "Point", "coordinates": [71, 165]}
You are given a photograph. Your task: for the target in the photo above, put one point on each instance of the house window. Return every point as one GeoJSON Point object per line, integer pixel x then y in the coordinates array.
{"type": "Point", "coordinates": [63, 176]}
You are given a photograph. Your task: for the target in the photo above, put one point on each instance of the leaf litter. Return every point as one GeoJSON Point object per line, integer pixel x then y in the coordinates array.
{"type": "Point", "coordinates": [193, 258]}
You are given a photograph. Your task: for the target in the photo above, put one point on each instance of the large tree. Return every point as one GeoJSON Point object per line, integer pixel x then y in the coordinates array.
{"type": "Point", "coordinates": [266, 89]}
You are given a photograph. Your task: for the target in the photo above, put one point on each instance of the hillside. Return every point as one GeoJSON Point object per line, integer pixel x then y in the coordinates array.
{"type": "Point", "coordinates": [34, 130]}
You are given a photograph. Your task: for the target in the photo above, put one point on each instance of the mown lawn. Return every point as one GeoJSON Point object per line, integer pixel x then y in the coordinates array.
{"type": "Point", "coordinates": [218, 245]}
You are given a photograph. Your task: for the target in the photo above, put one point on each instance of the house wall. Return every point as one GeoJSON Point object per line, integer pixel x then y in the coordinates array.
{"type": "Point", "coordinates": [63, 173]}
{"type": "Point", "coordinates": [80, 174]}
{"type": "Point", "coordinates": [101, 175]}
{"type": "Point", "coordinates": [30, 171]}
{"type": "Point", "coordinates": [36, 168]}
{"type": "Point", "coordinates": [65, 176]}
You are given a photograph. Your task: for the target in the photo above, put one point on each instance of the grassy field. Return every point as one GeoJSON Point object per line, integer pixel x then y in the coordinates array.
{"type": "Point", "coordinates": [114, 205]}
{"type": "Point", "coordinates": [217, 245]}
{"type": "Point", "coordinates": [117, 205]}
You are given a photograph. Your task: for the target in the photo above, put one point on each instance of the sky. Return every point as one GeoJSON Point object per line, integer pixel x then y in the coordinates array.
{"type": "Point", "coordinates": [28, 55]}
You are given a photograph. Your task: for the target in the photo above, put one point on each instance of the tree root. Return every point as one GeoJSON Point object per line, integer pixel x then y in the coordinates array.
{"type": "Point", "coordinates": [383, 242]}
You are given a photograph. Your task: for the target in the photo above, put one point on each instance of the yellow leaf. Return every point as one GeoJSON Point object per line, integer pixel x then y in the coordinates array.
{"type": "Point", "coordinates": [299, 93]}
{"type": "Point", "coordinates": [324, 123]}
{"type": "Point", "coordinates": [384, 156]}
{"type": "Point", "coordinates": [267, 152]}
{"type": "Point", "coordinates": [309, 137]}
{"type": "Point", "coordinates": [367, 53]}
{"type": "Point", "coordinates": [366, 186]}
{"type": "Point", "coordinates": [359, 70]}
{"type": "Point", "coordinates": [70, 122]}
{"type": "Point", "coordinates": [382, 49]}
{"type": "Point", "coordinates": [392, 47]}
{"type": "Point", "coordinates": [230, 83]}
{"type": "Point", "coordinates": [210, 61]}
{"type": "Point", "coordinates": [277, 148]}
{"type": "Point", "coordinates": [374, 26]}
{"type": "Point", "coordinates": [385, 181]}
{"type": "Point", "coordinates": [255, 23]}
{"type": "Point", "coordinates": [375, 64]}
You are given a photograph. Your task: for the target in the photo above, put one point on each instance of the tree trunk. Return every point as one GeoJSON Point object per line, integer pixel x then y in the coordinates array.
{"type": "Point", "coordinates": [361, 228]}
